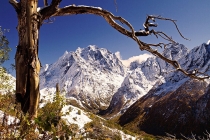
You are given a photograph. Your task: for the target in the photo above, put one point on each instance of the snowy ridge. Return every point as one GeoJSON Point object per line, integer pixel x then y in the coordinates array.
{"type": "Point", "coordinates": [157, 75]}
{"type": "Point", "coordinates": [175, 103]}
{"type": "Point", "coordinates": [86, 75]}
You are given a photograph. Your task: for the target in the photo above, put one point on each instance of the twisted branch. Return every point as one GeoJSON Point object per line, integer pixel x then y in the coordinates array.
{"type": "Point", "coordinates": [111, 19]}
{"type": "Point", "coordinates": [161, 45]}
{"type": "Point", "coordinates": [15, 4]}
{"type": "Point", "coordinates": [163, 35]}
{"type": "Point", "coordinates": [174, 22]}
{"type": "Point", "coordinates": [45, 3]}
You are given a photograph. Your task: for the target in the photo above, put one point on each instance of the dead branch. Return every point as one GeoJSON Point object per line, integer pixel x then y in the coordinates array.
{"type": "Point", "coordinates": [174, 22]}
{"type": "Point", "coordinates": [45, 3]}
{"type": "Point", "coordinates": [161, 45]}
{"type": "Point", "coordinates": [147, 24]}
{"type": "Point", "coordinates": [15, 4]}
{"type": "Point", "coordinates": [49, 10]}
{"type": "Point", "coordinates": [162, 35]}
{"type": "Point", "coordinates": [111, 19]}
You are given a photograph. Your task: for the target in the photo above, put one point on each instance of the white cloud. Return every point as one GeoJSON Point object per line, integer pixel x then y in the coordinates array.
{"type": "Point", "coordinates": [141, 58]}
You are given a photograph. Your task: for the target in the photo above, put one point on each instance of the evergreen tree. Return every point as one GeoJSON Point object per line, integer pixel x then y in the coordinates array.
{"type": "Point", "coordinates": [4, 55]}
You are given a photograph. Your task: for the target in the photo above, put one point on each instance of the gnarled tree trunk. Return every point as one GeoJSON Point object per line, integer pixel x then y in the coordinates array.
{"type": "Point", "coordinates": [26, 58]}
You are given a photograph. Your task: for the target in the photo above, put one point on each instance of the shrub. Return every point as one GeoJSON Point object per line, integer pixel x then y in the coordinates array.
{"type": "Point", "coordinates": [95, 130]}
{"type": "Point", "coordinates": [48, 124]}
{"type": "Point", "coordinates": [79, 112]}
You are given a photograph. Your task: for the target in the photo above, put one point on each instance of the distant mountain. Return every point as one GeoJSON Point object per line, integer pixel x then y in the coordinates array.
{"type": "Point", "coordinates": [150, 95]}
{"type": "Point", "coordinates": [175, 104]}
{"type": "Point", "coordinates": [143, 77]}
{"type": "Point", "coordinates": [89, 76]}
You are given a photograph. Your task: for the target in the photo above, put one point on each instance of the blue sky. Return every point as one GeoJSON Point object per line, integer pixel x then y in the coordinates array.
{"type": "Point", "coordinates": [70, 32]}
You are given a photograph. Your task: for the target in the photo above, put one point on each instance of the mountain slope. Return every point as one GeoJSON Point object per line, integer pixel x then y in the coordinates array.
{"type": "Point", "coordinates": [143, 77]}
{"type": "Point", "coordinates": [135, 85]}
{"type": "Point", "coordinates": [89, 76]}
{"type": "Point", "coordinates": [164, 98]}
{"type": "Point", "coordinates": [178, 104]}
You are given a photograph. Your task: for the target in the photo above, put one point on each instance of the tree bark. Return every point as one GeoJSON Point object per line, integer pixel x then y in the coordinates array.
{"type": "Point", "coordinates": [26, 58]}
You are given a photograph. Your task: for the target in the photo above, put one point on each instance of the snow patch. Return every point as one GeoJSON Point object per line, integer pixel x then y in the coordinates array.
{"type": "Point", "coordinates": [38, 9]}
{"type": "Point", "coordinates": [10, 119]}
{"type": "Point", "coordinates": [74, 115]}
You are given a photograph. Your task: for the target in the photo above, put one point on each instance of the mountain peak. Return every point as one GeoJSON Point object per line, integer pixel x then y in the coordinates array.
{"type": "Point", "coordinates": [86, 75]}
{"type": "Point", "coordinates": [87, 49]}
{"type": "Point", "coordinates": [92, 47]}
{"type": "Point", "coordinates": [66, 52]}
{"type": "Point", "coordinates": [175, 51]}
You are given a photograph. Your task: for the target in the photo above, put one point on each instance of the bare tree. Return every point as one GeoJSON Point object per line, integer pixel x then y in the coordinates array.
{"type": "Point", "coordinates": [29, 22]}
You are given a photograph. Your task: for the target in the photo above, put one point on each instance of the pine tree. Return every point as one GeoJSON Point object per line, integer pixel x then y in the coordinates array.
{"type": "Point", "coordinates": [4, 55]}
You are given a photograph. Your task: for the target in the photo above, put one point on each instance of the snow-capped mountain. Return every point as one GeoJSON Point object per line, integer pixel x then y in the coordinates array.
{"type": "Point", "coordinates": [86, 76]}
{"type": "Point", "coordinates": [175, 104]}
{"type": "Point", "coordinates": [142, 77]}
{"type": "Point", "coordinates": [146, 92]}
{"type": "Point", "coordinates": [89, 76]}
{"type": "Point", "coordinates": [136, 84]}
{"type": "Point", "coordinates": [96, 79]}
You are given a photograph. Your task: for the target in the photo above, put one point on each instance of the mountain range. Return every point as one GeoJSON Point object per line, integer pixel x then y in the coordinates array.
{"type": "Point", "coordinates": [176, 104]}
{"type": "Point", "coordinates": [89, 77]}
{"type": "Point", "coordinates": [149, 95]}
